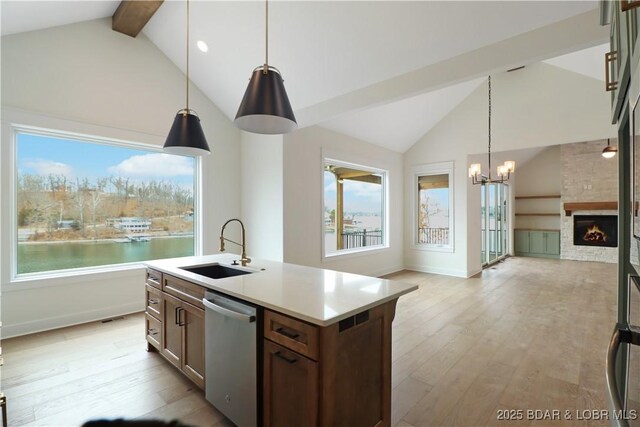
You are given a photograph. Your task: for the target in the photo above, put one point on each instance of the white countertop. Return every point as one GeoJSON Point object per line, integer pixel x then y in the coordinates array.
{"type": "Point", "coordinates": [315, 295]}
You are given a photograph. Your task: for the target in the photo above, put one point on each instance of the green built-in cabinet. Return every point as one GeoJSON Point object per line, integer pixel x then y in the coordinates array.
{"type": "Point", "coordinates": [538, 243]}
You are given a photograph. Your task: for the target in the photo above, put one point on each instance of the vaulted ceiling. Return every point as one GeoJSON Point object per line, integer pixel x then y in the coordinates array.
{"type": "Point", "coordinates": [382, 71]}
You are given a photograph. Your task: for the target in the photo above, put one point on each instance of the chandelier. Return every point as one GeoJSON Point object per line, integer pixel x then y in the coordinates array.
{"type": "Point", "coordinates": [504, 171]}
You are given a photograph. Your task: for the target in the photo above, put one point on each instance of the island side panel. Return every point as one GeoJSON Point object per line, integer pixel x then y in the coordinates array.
{"type": "Point", "coordinates": [356, 369]}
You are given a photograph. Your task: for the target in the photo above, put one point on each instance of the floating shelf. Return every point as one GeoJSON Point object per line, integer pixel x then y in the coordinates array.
{"type": "Point", "coordinates": [550, 196]}
{"type": "Point", "coordinates": [537, 214]}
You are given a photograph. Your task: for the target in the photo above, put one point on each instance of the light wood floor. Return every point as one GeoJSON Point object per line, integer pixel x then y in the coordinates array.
{"type": "Point", "coordinates": [525, 334]}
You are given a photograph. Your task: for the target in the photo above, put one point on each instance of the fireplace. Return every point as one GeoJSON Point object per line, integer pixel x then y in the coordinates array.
{"type": "Point", "coordinates": [595, 230]}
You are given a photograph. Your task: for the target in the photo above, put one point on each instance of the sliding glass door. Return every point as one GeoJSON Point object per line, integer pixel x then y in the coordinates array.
{"type": "Point", "coordinates": [494, 200]}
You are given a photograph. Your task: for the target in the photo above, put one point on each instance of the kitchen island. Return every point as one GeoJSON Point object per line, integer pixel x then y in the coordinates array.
{"type": "Point", "coordinates": [324, 337]}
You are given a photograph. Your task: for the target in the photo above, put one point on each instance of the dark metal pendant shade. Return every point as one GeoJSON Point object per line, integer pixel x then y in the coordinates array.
{"type": "Point", "coordinates": [265, 107]}
{"type": "Point", "coordinates": [186, 137]}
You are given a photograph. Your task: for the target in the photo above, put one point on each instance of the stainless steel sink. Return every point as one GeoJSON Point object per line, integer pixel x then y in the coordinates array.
{"type": "Point", "coordinates": [216, 271]}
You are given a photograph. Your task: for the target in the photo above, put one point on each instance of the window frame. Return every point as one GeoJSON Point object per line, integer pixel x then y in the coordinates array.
{"type": "Point", "coordinates": [440, 168]}
{"type": "Point", "coordinates": [14, 130]}
{"type": "Point", "coordinates": [347, 253]}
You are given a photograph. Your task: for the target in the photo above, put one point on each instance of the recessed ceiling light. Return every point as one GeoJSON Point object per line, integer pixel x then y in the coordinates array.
{"type": "Point", "coordinates": [202, 46]}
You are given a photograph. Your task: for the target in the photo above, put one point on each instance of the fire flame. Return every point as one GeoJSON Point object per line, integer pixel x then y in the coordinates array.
{"type": "Point", "coordinates": [594, 234]}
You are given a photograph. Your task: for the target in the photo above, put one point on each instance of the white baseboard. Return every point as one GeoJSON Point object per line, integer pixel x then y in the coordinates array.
{"type": "Point", "coordinates": [385, 271]}
{"type": "Point", "coordinates": [439, 270]}
{"type": "Point", "coordinates": [41, 325]}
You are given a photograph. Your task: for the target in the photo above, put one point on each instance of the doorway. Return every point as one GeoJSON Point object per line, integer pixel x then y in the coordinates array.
{"type": "Point", "coordinates": [494, 210]}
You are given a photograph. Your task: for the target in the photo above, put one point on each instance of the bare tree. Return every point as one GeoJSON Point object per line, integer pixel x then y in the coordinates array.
{"type": "Point", "coordinates": [96, 194]}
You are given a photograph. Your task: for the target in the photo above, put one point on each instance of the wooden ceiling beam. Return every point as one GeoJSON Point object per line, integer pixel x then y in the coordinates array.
{"type": "Point", "coordinates": [132, 15]}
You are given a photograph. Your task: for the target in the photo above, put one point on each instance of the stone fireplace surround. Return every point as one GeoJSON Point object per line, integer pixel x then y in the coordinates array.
{"type": "Point", "coordinates": [586, 177]}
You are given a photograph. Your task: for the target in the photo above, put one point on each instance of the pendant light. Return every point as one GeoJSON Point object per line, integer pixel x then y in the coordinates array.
{"type": "Point", "coordinates": [265, 107]}
{"type": "Point", "coordinates": [504, 171]}
{"type": "Point", "coordinates": [610, 150]}
{"type": "Point", "coordinates": [186, 137]}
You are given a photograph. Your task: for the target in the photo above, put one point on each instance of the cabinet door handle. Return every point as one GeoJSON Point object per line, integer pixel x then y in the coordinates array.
{"type": "Point", "coordinates": [153, 280]}
{"type": "Point", "coordinates": [152, 301]}
{"type": "Point", "coordinates": [286, 333]}
{"type": "Point", "coordinates": [180, 311]}
{"type": "Point", "coordinates": [609, 59]}
{"type": "Point", "coordinates": [285, 358]}
{"type": "Point", "coordinates": [177, 316]}
{"type": "Point", "coordinates": [152, 331]}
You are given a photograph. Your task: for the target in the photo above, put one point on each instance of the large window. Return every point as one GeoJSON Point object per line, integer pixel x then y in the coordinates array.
{"type": "Point", "coordinates": [86, 203]}
{"type": "Point", "coordinates": [434, 206]}
{"type": "Point", "coordinates": [354, 207]}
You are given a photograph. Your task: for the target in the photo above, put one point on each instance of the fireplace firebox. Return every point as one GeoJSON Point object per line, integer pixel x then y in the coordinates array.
{"type": "Point", "coordinates": [595, 230]}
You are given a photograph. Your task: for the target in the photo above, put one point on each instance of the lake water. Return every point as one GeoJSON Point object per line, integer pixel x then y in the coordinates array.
{"type": "Point", "coordinates": [36, 257]}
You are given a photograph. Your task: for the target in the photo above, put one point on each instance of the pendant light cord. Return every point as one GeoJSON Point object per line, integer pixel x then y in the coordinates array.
{"type": "Point", "coordinates": [187, 112]}
{"type": "Point", "coordinates": [265, 69]}
{"type": "Point", "coordinates": [489, 127]}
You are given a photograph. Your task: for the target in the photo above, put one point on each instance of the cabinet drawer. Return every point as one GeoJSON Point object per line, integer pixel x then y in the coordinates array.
{"type": "Point", "coordinates": [154, 278]}
{"type": "Point", "coordinates": [291, 333]}
{"type": "Point", "coordinates": [153, 298]}
{"type": "Point", "coordinates": [183, 290]}
{"type": "Point", "coordinates": [152, 330]}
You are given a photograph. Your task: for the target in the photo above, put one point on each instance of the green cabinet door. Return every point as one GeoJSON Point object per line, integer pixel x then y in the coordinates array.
{"type": "Point", "coordinates": [537, 242]}
{"type": "Point", "coordinates": [522, 241]}
{"type": "Point", "coordinates": [552, 240]}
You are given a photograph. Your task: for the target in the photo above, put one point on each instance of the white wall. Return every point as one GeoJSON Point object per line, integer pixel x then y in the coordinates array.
{"type": "Point", "coordinates": [538, 177]}
{"type": "Point", "coordinates": [262, 197]}
{"type": "Point", "coordinates": [541, 105]}
{"type": "Point", "coordinates": [303, 200]}
{"type": "Point", "coordinates": [87, 78]}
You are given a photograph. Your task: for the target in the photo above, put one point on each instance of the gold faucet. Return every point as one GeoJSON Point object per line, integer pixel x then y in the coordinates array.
{"type": "Point", "coordinates": [244, 258]}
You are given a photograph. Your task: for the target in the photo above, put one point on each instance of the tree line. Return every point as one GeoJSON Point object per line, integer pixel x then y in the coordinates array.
{"type": "Point", "coordinates": [47, 201]}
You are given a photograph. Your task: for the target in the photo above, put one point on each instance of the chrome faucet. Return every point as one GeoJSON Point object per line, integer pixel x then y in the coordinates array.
{"type": "Point", "coordinates": [244, 258]}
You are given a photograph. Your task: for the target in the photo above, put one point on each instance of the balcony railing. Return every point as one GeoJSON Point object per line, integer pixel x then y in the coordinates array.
{"type": "Point", "coordinates": [433, 236]}
{"type": "Point", "coordinates": [361, 238]}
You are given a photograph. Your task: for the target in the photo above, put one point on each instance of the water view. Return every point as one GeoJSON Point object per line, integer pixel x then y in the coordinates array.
{"type": "Point", "coordinates": [45, 256]}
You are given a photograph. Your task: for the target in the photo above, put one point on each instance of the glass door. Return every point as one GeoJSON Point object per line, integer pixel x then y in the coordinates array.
{"type": "Point", "coordinates": [494, 201]}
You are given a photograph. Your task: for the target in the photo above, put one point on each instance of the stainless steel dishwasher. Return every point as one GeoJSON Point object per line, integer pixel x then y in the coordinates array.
{"type": "Point", "coordinates": [230, 358]}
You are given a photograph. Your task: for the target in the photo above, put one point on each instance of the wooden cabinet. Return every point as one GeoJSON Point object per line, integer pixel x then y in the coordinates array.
{"type": "Point", "coordinates": [175, 325]}
{"type": "Point", "coordinates": [153, 311]}
{"type": "Point", "coordinates": [290, 388]}
{"type": "Point", "coordinates": [153, 332]}
{"type": "Point", "coordinates": [172, 330]}
{"type": "Point", "coordinates": [309, 375]}
{"type": "Point", "coordinates": [192, 321]}
{"type": "Point", "coordinates": [183, 337]}
{"type": "Point", "coordinates": [540, 243]}
{"type": "Point", "coordinates": [327, 376]}
{"type": "Point", "coordinates": [153, 299]}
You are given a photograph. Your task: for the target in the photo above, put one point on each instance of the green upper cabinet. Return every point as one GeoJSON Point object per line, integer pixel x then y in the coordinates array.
{"type": "Point", "coordinates": [633, 16]}
{"type": "Point", "coordinates": [619, 58]}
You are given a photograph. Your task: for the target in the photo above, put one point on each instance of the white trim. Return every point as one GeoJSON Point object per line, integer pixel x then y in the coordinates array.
{"type": "Point", "coordinates": [442, 271]}
{"type": "Point", "coordinates": [40, 325]}
{"type": "Point", "coordinates": [76, 134]}
{"type": "Point", "coordinates": [67, 277]}
{"type": "Point", "coordinates": [439, 168]}
{"type": "Point", "coordinates": [333, 157]}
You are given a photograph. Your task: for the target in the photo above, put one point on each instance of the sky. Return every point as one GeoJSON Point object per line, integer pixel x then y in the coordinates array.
{"type": "Point", "coordinates": [439, 205]}
{"type": "Point", "coordinates": [358, 196]}
{"type": "Point", "coordinates": [44, 155]}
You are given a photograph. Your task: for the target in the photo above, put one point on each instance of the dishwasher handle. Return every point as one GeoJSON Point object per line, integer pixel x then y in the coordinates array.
{"type": "Point", "coordinates": [228, 312]}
